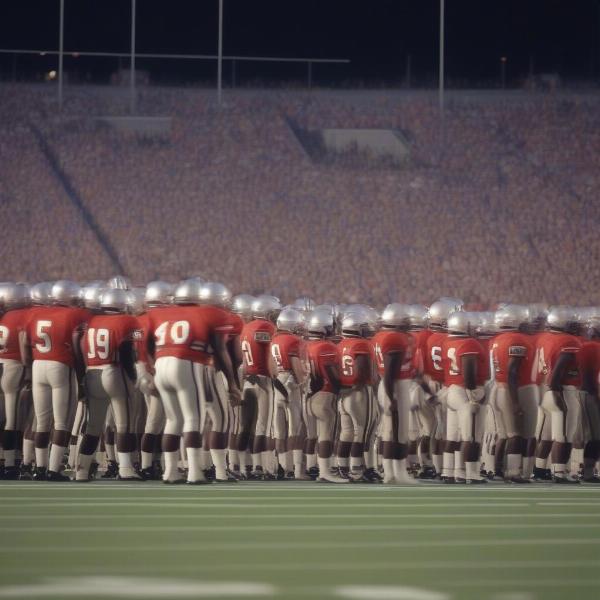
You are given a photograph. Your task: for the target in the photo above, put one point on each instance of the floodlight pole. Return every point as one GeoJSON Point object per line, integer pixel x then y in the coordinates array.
{"type": "Point", "coordinates": [220, 55]}
{"type": "Point", "coordinates": [132, 65]}
{"type": "Point", "coordinates": [441, 76]}
{"type": "Point", "coordinates": [61, 35]}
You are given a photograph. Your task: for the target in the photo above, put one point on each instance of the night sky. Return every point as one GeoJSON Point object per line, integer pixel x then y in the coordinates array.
{"type": "Point", "coordinates": [376, 35]}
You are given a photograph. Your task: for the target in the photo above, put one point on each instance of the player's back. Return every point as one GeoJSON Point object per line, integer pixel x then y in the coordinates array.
{"type": "Point", "coordinates": [12, 324]}
{"type": "Point", "coordinates": [256, 338]}
{"type": "Point", "coordinates": [104, 337]}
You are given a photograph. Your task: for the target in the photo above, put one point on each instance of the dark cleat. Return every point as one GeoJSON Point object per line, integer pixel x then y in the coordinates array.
{"type": "Point", "coordinates": [372, 476]}
{"type": "Point", "coordinates": [25, 473]}
{"type": "Point", "coordinates": [56, 476]}
{"type": "Point", "coordinates": [476, 481]}
{"type": "Point", "coordinates": [448, 480]}
{"type": "Point", "coordinates": [313, 472]}
{"type": "Point", "coordinates": [542, 475]}
{"type": "Point", "coordinates": [112, 470]}
{"type": "Point", "coordinates": [40, 474]}
{"type": "Point", "coordinates": [11, 473]}
{"type": "Point", "coordinates": [562, 480]}
{"type": "Point", "coordinates": [198, 482]}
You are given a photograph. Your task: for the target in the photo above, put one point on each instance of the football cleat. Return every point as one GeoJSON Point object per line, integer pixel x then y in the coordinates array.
{"type": "Point", "coordinates": [174, 481]}
{"type": "Point", "coordinates": [25, 473]}
{"type": "Point", "coordinates": [517, 479]}
{"type": "Point", "coordinates": [228, 479]}
{"type": "Point", "coordinates": [280, 473]}
{"type": "Point", "coordinates": [112, 470]}
{"type": "Point", "coordinates": [147, 473]}
{"type": "Point", "coordinates": [199, 482]}
{"type": "Point", "coordinates": [313, 472]}
{"type": "Point", "coordinates": [256, 475]}
{"type": "Point", "coordinates": [565, 480]}
{"type": "Point", "coordinates": [541, 474]}
{"type": "Point", "coordinates": [93, 472]}
{"type": "Point", "coordinates": [56, 476]}
{"type": "Point", "coordinates": [269, 477]}
{"type": "Point", "coordinates": [447, 479]}
{"type": "Point", "coordinates": [40, 474]}
{"type": "Point", "coordinates": [592, 479]}
{"type": "Point", "coordinates": [10, 473]}
{"type": "Point", "coordinates": [333, 478]}
{"type": "Point", "coordinates": [460, 480]}
{"type": "Point", "coordinates": [428, 472]}
{"type": "Point", "coordinates": [372, 476]}
{"type": "Point", "coordinates": [289, 476]}
{"type": "Point", "coordinates": [210, 473]}
{"type": "Point", "coordinates": [475, 481]}
{"type": "Point", "coordinates": [134, 477]}
{"type": "Point", "coordinates": [237, 475]}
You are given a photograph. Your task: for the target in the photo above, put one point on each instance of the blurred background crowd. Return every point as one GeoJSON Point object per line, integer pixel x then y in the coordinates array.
{"type": "Point", "coordinates": [497, 203]}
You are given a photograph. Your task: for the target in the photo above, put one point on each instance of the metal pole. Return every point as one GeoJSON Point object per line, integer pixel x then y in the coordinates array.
{"type": "Point", "coordinates": [233, 73]}
{"type": "Point", "coordinates": [220, 55]}
{"type": "Point", "coordinates": [309, 75]}
{"type": "Point", "coordinates": [441, 76]}
{"type": "Point", "coordinates": [503, 71]}
{"type": "Point", "coordinates": [61, 35]}
{"type": "Point", "coordinates": [132, 64]}
{"type": "Point", "coordinates": [408, 73]}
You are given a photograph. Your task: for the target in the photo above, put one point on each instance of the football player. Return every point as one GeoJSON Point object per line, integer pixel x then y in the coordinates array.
{"type": "Point", "coordinates": [516, 397]}
{"type": "Point", "coordinates": [288, 429]}
{"type": "Point", "coordinates": [466, 366]}
{"type": "Point", "coordinates": [394, 355]}
{"type": "Point", "coordinates": [559, 365]}
{"type": "Point", "coordinates": [110, 358]}
{"type": "Point", "coordinates": [258, 386]}
{"type": "Point", "coordinates": [14, 303]}
{"type": "Point", "coordinates": [357, 403]}
{"type": "Point", "coordinates": [54, 333]}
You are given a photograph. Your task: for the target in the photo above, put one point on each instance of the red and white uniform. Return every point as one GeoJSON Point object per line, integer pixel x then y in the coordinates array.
{"type": "Point", "coordinates": [590, 364]}
{"type": "Point", "coordinates": [256, 339]}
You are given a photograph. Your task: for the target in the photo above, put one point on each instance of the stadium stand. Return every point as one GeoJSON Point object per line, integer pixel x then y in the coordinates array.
{"type": "Point", "coordinates": [502, 209]}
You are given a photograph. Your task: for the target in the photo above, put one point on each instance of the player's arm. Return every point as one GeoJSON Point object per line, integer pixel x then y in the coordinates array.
{"type": "Point", "coordinates": [560, 370]}
{"type": "Point", "coordinates": [78, 353]}
{"type": "Point", "coordinates": [333, 374]}
{"type": "Point", "coordinates": [363, 368]}
{"type": "Point", "coordinates": [590, 383]}
{"type": "Point", "coordinates": [391, 364]}
{"type": "Point", "coordinates": [297, 369]}
{"type": "Point", "coordinates": [469, 370]}
{"type": "Point", "coordinates": [514, 367]}
{"type": "Point", "coordinates": [127, 359]}
{"type": "Point", "coordinates": [234, 348]}
{"type": "Point", "coordinates": [224, 363]}
{"type": "Point", "coordinates": [25, 349]}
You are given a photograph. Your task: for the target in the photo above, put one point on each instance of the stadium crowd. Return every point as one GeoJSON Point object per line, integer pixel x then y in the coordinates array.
{"type": "Point", "coordinates": [501, 209]}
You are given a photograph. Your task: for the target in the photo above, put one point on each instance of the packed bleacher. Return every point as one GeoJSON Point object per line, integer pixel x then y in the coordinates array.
{"type": "Point", "coordinates": [496, 204]}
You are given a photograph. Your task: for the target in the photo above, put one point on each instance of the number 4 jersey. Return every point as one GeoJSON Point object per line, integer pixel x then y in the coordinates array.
{"type": "Point", "coordinates": [104, 337]}
{"type": "Point", "coordinates": [185, 331]}
{"type": "Point", "coordinates": [50, 332]}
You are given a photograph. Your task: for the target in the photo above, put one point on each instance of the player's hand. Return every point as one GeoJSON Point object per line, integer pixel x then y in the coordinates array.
{"type": "Point", "coordinates": [145, 384]}
{"type": "Point", "coordinates": [81, 390]}
{"type": "Point", "coordinates": [235, 397]}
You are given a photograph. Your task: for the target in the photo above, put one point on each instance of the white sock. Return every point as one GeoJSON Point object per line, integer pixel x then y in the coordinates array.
{"type": "Point", "coordinates": [401, 473]}
{"type": "Point", "coordinates": [343, 462]}
{"type": "Point", "coordinates": [56, 457]}
{"type": "Point", "coordinates": [528, 466]}
{"type": "Point", "coordinates": [576, 460]}
{"type": "Point", "coordinates": [170, 473]}
{"type": "Point", "coordinates": [356, 463]}
{"type": "Point", "coordinates": [311, 460]}
{"type": "Point", "coordinates": [266, 459]}
{"type": "Point", "coordinates": [125, 460]}
{"type": "Point", "coordinates": [472, 470]}
{"type": "Point", "coordinates": [284, 460]}
{"type": "Point", "coordinates": [540, 463]}
{"type": "Point", "coordinates": [448, 464]}
{"type": "Point", "coordinates": [73, 455]}
{"type": "Point", "coordinates": [245, 459]}
{"type": "Point", "coordinates": [195, 472]}
{"type": "Point", "coordinates": [513, 465]}
{"type": "Point", "coordinates": [206, 461]}
{"type": "Point", "coordinates": [459, 464]}
{"type": "Point", "coordinates": [234, 458]}
{"type": "Point", "coordinates": [256, 460]}
{"type": "Point", "coordinates": [41, 457]}
{"type": "Point", "coordinates": [437, 462]}
{"type": "Point", "coordinates": [219, 460]}
{"type": "Point", "coordinates": [324, 466]}
{"type": "Point", "coordinates": [147, 459]}
{"type": "Point", "coordinates": [298, 461]}
{"type": "Point", "coordinates": [388, 470]}
{"type": "Point", "coordinates": [101, 458]}
{"type": "Point", "coordinates": [83, 466]}
{"type": "Point", "coordinates": [558, 469]}
{"type": "Point", "coordinates": [110, 452]}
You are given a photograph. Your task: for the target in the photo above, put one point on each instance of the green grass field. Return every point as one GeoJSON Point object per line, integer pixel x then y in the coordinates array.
{"type": "Point", "coordinates": [299, 540]}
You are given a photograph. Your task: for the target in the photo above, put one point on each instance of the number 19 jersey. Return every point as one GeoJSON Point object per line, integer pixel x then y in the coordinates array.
{"type": "Point", "coordinates": [104, 337]}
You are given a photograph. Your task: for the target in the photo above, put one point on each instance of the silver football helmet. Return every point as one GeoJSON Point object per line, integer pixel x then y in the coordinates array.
{"type": "Point", "coordinates": [562, 318]}
{"type": "Point", "coordinates": [320, 324]}
{"type": "Point", "coordinates": [396, 316]}
{"type": "Point", "coordinates": [266, 307]}
{"type": "Point", "coordinates": [462, 323]}
{"type": "Point", "coordinates": [114, 300]}
{"type": "Point", "coordinates": [242, 305]}
{"type": "Point", "coordinates": [355, 325]}
{"type": "Point", "coordinates": [418, 316]}
{"type": "Point", "coordinates": [136, 304]}
{"type": "Point", "coordinates": [290, 319]}
{"type": "Point", "coordinates": [119, 282]}
{"type": "Point", "coordinates": [65, 292]}
{"type": "Point", "coordinates": [40, 293]}
{"type": "Point", "coordinates": [215, 294]}
{"type": "Point", "coordinates": [187, 292]}
{"type": "Point", "coordinates": [512, 317]}
{"type": "Point", "coordinates": [158, 293]}
{"type": "Point", "coordinates": [303, 304]}
{"type": "Point", "coordinates": [440, 310]}
{"type": "Point", "coordinates": [14, 295]}
{"type": "Point", "coordinates": [90, 295]}
{"type": "Point", "coordinates": [486, 326]}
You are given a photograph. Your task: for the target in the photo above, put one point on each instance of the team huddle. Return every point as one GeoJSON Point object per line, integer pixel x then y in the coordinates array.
{"type": "Point", "coordinates": [188, 384]}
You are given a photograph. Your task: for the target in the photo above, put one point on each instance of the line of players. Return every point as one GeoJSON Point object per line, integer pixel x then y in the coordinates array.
{"type": "Point", "coordinates": [166, 377]}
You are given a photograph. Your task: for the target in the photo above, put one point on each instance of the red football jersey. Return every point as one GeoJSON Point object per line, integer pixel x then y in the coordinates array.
{"type": "Point", "coordinates": [385, 342]}
{"type": "Point", "coordinates": [12, 324]}
{"type": "Point", "coordinates": [420, 338]}
{"type": "Point", "coordinates": [185, 331]}
{"type": "Point", "coordinates": [105, 334]}
{"type": "Point", "coordinates": [513, 344]}
{"type": "Point", "coordinates": [256, 340]}
{"type": "Point", "coordinates": [283, 347]}
{"type": "Point", "coordinates": [432, 357]}
{"type": "Point", "coordinates": [237, 324]}
{"type": "Point", "coordinates": [550, 346]}
{"type": "Point", "coordinates": [50, 332]}
{"type": "Point", "coordinates": [590, 358]}
{"type": "Point", "coordinates": [453, 351]}
{"type": "Point", "coordinates": [348, 350]}
{"type": "Point", "coordinates": [320, 354]}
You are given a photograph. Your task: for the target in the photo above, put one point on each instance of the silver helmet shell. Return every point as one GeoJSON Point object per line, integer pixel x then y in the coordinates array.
{"type": "Point", "coordinates": [562, 318]}
{"type": "Point", "coordinates": [114, 300]}
{"type": "Point", "coordinates": [215, 294]}
{"type": "Point", "coordinates": [418, 316]}
{"type": "Point", "coordinates": [396, 315]}
{"type": "Point", "coordinates": [14, 295]}
{"type": "Point", "coordinates": [304, 304]}
{"type": "Point", "coordinates": [90, 295]}
{"type": "Point", "coordinates": [41, 293]}
{"type": "Point", "coordinates": [320, 324]}
{"type": "Point", "coordinates": [136, 303]}
{"type": "Point", "coordinates": [462, 323]}
{"type": "Point", "coordinates": [439, 312]}
{"type": "Point", "coordinates": [511, 317]}
{"type": "Point", "coordinates": [290, 319]}
{"type": "Point", "coordinates": [486, 326]}
{"type": "Point", "coordinates": [355, 324]}
{"type": "Point", "coordinates": [187, 292]}
{"type": "Point", "coordinates": [242, 305]}
{"type": "Point", "coordinates": [119, 282]}
{"type": "Point", "coordinates": [65, 292]}
{"type": "Point", "coordinates": [266, 307]}
{"type": "Point", "coordinates": [158, 293]}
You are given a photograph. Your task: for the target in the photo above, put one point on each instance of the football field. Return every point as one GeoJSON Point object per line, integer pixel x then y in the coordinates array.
{"type": "Point", "coordinates": [299, 540]}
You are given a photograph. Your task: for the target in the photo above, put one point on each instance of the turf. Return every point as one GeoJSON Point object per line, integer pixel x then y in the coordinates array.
{"type": "Point", "coordinates": [299, 540]}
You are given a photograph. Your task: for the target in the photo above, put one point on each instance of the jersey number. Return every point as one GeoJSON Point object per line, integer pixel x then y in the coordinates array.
{"type": "Point", "coordinates": [347, 365]}
{"type": "Point", "coordinates": [98, 342]}
{"type": "Point", "coordinates": [454, 370]}
{"type": "Point", "coordinates": [3, 337]}
{"type": "Point", "coordinates": [436, 357]}
{"type": "Point", "coordinates": [41, 331]}
{"type": "Point", "coordinates": [247, 352]}
{"type": "Point", "coordinates": [276, 353]}
{"type": "Point", "coordinates": [178, 333]}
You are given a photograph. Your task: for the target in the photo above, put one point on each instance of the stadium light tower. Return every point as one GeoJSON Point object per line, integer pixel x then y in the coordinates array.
{"type": "Point", "coordinates": [61, 34]}
{"type": "Point", "coordinates": [442, 57]}
{"type": "Point", "coordinates": [220, 55]}
{"type": "Point", "coordinates": [132, 65]}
